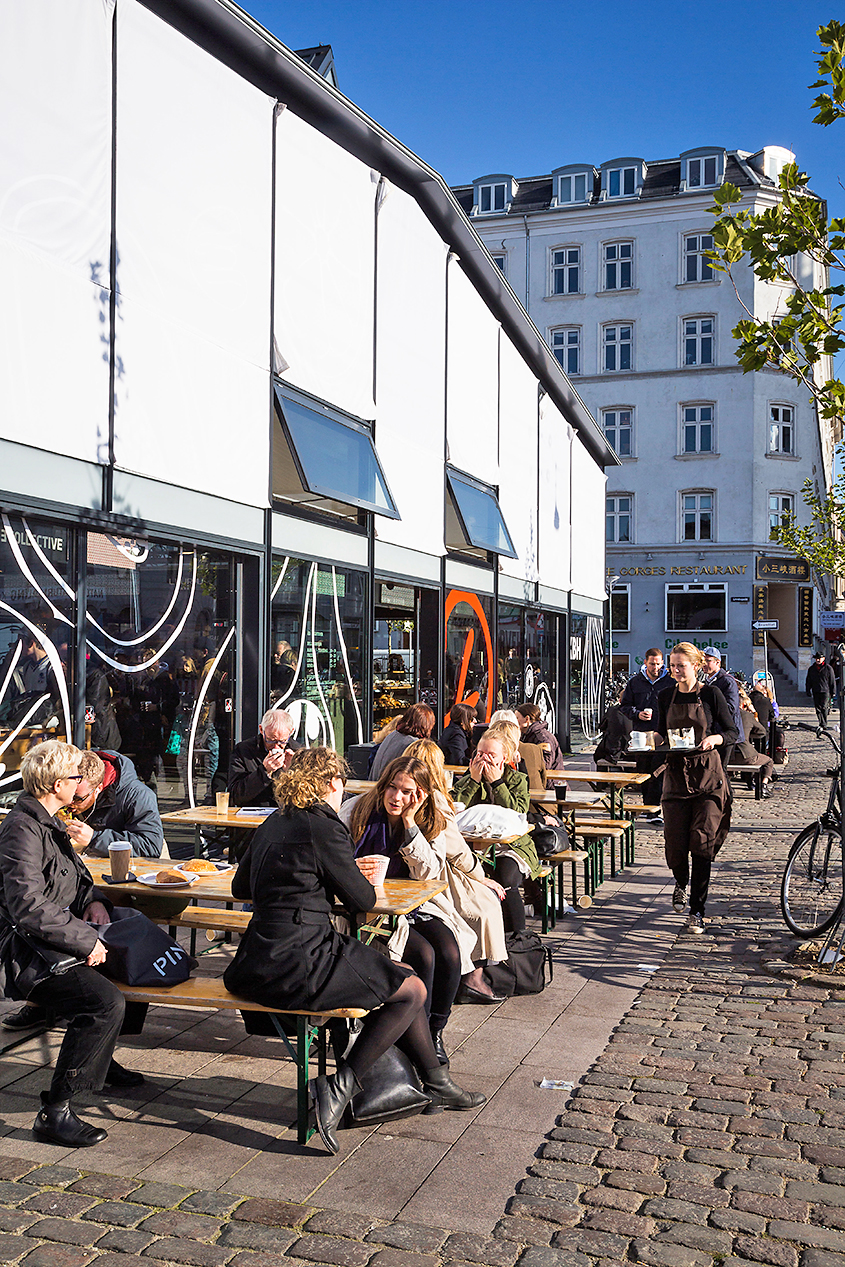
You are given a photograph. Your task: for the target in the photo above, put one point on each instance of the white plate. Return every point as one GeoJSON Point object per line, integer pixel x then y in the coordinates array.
{"type": "Point", "coordinates": [150, 879]}
{"type": "Point", "coordinates": [219, 869]}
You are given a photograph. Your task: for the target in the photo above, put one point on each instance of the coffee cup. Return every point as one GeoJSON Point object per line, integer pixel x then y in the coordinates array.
{"type": "Point", "coordinates": [222, 804]}
{"type": "Point", "coordinates": [120, 857]}
{"type": "Point", "coordinates": [647, 714]}
{"type": "Point", "coordinates": [376, 868]}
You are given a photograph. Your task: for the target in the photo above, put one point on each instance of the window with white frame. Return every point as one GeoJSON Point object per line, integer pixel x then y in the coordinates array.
{"type": "Point", "coordinates": [702, 171]}
{"type": "Point", "coordinates": [697, 267]}
{"type": "Point", "coordinates": [617, 347]}
{"type": "Point", "coordinates": [699, 340]}
{"type": "Point", "coordinates": [492, 197]}
{"type": "Point", "coordinates": [698, 434]}
{"type": "Point", "coordinates": [618, 427]}
{"type": "Point", "coordinates": [566, 345]}
{"type": "Point", "coordinates": [696, 607]}
{"type": "Point", "coordinates": [698, 515]}
{"type": "Point", "coordinates": [500, 261]}
{"type": "Point", "coordinates": [617, 265]}
{"type": "Point", "coordinates": [573, 188]}
{"type": "Point", "coordinates": [620, 608]}
{"type": "Point", "coordinates": [782, 429]}
{"type": "Point", "coordinates": [781, 507]}
{"type": "Point", "coordinates": [619, 518]}
{"type": "Point", "coordinates": [566, 270]}
{"type": "Point", "coordinates": [621, 182]}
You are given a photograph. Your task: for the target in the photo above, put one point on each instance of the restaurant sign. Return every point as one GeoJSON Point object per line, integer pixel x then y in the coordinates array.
{"type": "Point", "coordinates": [772, 569]}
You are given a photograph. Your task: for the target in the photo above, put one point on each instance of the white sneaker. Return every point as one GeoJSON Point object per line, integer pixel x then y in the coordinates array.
{"type": "Point", "coordinates": [679, 899]}
{"type": "Point", "coordinates": [695, 924]}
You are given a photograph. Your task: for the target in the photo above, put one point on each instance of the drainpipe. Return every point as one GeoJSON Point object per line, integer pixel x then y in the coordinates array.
{"type": "Point", "coordinates": [527, 260]}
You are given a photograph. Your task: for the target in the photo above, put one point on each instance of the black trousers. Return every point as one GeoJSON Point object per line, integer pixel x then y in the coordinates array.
{"type": "Point", "coordinates": [822, 704]}
{"type": "Point", "coordinates": [93, 1007]}
{"type": "Point", "coordinates": [698, 818]}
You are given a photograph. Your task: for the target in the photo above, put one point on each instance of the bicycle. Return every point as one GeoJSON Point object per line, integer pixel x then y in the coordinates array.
{"type": "Point", "coordinates": [811, 891]}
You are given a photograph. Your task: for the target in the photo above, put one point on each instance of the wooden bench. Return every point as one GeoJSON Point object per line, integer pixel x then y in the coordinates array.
{"type": "Point", "coordinates": [551, 883]}
{"type": "Point", "coordinates": [754, 772]}
{"type": "Point", "coordinates": [211, 993]}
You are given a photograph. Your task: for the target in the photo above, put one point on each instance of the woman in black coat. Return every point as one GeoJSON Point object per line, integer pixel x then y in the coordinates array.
{"type": "Point", "coordinates": [299, 863]}
{"type": "Point", "coordinates": [456, 740]}
{"type": "Point", "coordinates": [48, 894]}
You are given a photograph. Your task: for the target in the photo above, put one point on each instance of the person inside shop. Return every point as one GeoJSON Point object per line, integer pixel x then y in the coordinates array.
{"type": "Point", "coordinates": [109, 803]}
{"type": "Point", "coordinates": [696, 724]}
{"type": "Point", "coordinates": [255, 762]}
{"type": "Point", "coordinates": [298, 864]}
{"type": "Point", "coordinates": [492, 779]}
{"type": "Point", "coordinates": [417, 722]}
{"type": "Point", "coordinates": [46, 892]}
{"type": "Point", "coordinates": [456, 738]}
{"type": "Point", "coordinates": [821, 684]}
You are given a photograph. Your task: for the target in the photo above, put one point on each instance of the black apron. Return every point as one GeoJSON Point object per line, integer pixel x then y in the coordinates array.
{"type": "Point", "coordinates": [697, 775]}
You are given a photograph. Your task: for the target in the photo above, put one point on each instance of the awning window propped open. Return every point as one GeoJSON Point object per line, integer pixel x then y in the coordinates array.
{"type": "Point", "coordinates": [478, 516]}
{"type": "Point", "coordinates": [331, 462]}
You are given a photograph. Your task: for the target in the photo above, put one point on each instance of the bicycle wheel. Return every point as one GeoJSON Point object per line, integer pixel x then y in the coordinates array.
{"type": "Point", "coordinates": [811, 891]}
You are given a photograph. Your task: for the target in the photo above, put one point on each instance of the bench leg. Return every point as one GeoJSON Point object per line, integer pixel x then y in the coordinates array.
{"type": "Point", "coordinates": [306, 1034]}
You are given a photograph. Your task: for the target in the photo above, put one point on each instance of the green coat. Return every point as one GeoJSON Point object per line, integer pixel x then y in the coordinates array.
{"type": "Point", "coordinates": [511, 792]}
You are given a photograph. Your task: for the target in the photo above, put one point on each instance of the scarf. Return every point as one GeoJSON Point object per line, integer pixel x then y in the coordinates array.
{"type": "Point", "coordinates": [377, 838]}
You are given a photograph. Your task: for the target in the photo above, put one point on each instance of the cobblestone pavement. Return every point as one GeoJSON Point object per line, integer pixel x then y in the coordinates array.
{"type": "Point", "coordinates": [710, 1130]}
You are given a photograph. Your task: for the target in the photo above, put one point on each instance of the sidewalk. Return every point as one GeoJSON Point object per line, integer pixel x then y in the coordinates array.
{"type": "Point", "coordinates": [706, 1127]}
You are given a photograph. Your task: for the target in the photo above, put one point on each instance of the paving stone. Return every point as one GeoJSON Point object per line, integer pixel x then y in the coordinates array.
{"type": "Point", "coordinates": [545, 1256]}
{"type": "Point", "coordinates": [595, 1243]}
{"type": "Point", "coordinates": [273, 1213]}
{"type": "Point", "coordinates": [13, 1193]}
{"type": "Point", "coordinates": [560, 1190]}
{"type": "Point", "coordinates": [331, 1249]}
{"type": "Point", "coordinates": [257, 1236]}
{"type": "Point", "coordinates": [409, 1236]}
{"type": "Point", "coordinates": [15, 1220]}
{"type": "Point", "coordinates": [680, 1211]}
{"type": "Point", "coordinates": [109, 1187]}
{"type": "Point", "coordinates": [470, 1248]}
{"type": "Point", "coordinates": [669, 1255]}
{"type": "Point", "coordinates": [771, 1207]}
{"type": "Point", "coordinates": [821, 1258]}
{"type": "Point", "coordinates": [12, 1247]}
{"type": "Point", "coordinates": [560, 1150]}
{"type": "Point", "coordinates": [122, 1260]}
{"type": "Point", "coordinates": [562, 1170]}
{"type": "Point", "coordinates": [58, 1256]}
{"type": "Point", "coordinates": [118, 1213]}
{"type": "Point", "coordinates": [14, 1167]}
{"type": "Point", "coordinates": [190, 1252]}
{"type": "Point", "coordinates": [619, 1159]}
{"type": "Point", "coordinates": [563, 1213]}
{"type": "Point", "coordinates": [806, 1234]}
{"type": "Point", "coordinates": [524, 1231]}
{"type": "Point", "coordinates": [618, 1221]}
{"type": "Point", "coordinates": [246, 1258]}
{"type": "Point", "coordinates": [66, 1231]}
{"type": "Point", "coordinates": [399, 1258]}
{"type": "Point", "coordinates": [51, 1176]}
{"type": "Point", "coordinates": [340, 1223]}
{"type": "Point", "coordinates": [698, 1194]}
{"type": "Point", "coordinates": [181, 1224]}
{"type": "Point", "coordinates": [764, 1250]}
{"type": "Point", "coordinates": [124, 1241]}
{"type": "Point", "coordinates": [704, 1238]}
{"type": "Point", "coordinates": [738, 1221]}
{"type": "Point", "coordinates": [66, 1205]}
{"type": "Point", "coordinates": [161, 1195]}
{"type": "Point", "coordinates": [830, 1194]}
{"type": "Point", "coordinates": [612, 1198]}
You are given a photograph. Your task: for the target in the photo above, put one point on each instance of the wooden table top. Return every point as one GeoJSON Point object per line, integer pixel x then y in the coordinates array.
{"type": "Point", "coordinates": [398, 897]}
{"type": "Point", "coordinates": [611, 777]}
{"type": "Point", "coordinates": [360, 785]}
{"type": "Point", "coordinates": [207, 816]}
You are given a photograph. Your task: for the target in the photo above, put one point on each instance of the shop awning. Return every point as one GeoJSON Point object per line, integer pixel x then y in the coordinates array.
{"type": "Point", "coordinates": [479, 515]}
{"type": "Point", "coordinates": [332, 459]}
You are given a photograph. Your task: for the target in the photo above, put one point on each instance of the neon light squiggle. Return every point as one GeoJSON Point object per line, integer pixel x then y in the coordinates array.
{"type": "Point", "coordinates": [139, 668]}
{"type": "Point", "coordinates": [35, 707]}
{"type": "Point", "coordinates": [24, 567]}
{"type": "Point", "coordinates": [279, 579]}
{"type": "Point", "coordinates": [302, 641]}
{"type": "Point", "coordinates": [195, 719]}
{"type": "Point", "coordinates": [346, 660]}
{"type": "Point", "coordinates": [317, 667]}
{"type": "Point", "coordinates": [10, 670]}
{"type": "Point", "coordinates": [52, 656]}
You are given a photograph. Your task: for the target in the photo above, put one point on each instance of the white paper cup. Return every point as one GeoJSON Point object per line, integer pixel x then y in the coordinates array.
{"type": "Point", "coordinates": [380, 864]}
{"type": "Point", "coordinates": [120, 857]}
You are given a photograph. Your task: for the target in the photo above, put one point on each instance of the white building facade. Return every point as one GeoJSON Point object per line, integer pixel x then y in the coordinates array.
{"type": "Point", "coordinates": [272, 426]}
{"type": "Point", "coordinates": [611, 263]}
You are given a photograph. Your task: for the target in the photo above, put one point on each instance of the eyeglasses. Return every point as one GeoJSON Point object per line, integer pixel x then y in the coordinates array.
{"type": "Point", "coordinates": [72, 778]}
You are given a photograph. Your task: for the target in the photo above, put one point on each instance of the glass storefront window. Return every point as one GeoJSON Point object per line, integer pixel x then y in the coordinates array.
{"type": "Point", "coordinates": [37, 623]}
{"type": "Point", "coordinates": [527, 666]}
{"type": "Point", "coordinates": [317, 648]}
{"type": "Point", "coordinates": [404, 650]}
{"type": "Point", "coordinates": [469, 653]}
{"type": "Point", "coordinates": [161, 663]}
{"type": "Point", "coordinates": [586, 678]}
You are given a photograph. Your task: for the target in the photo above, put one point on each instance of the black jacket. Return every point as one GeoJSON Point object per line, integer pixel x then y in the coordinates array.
{"type": "Point", "coordinates": [299, 862]}
{"type": "Point", "coordinates": [763, 707]}
{"type": "Point", "coordinates": [642, 693]}
{"type": "Point", "coordinates": [44, 887]}
{"type": "Point", "coordinates": [249, 783]}
{"type": "Point", "coordinates": [126, 810]}
{"type": "Point", "coordinates": [454, 744]}
{"type": "Point", "coordinates": [820, 680]}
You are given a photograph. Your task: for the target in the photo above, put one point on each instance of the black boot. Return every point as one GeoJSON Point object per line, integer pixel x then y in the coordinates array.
{"type": "Point", "coordinates": [446, 1094]}
{"type": "Point", "coordinates": [440, 1050]}
{"type": "Point", "coordinates": [331, 1096]}
{"type": "Point", "coordinates": [58, 1124]}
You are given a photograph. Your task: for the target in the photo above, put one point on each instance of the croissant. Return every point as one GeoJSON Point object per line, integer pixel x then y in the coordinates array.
{"type": "Point", "coordinates": [169, 877]}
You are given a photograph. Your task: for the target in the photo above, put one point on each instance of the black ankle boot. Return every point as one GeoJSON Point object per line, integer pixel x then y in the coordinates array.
{"type": "Point", "coordinates": [439, 1049]}
{"type": "Point", "coordinates": [331, 1096]}
{"type": "Point", "coordinates": [58, 1124]}
{"type": "Point", "coordinates": [446, 1094]}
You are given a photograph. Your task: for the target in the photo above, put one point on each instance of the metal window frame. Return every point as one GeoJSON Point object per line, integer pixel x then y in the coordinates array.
{"type": "Point", "coordinates": [453, 474]}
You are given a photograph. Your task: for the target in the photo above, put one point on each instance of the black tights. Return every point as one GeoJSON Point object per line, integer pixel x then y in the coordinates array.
{"type": "Point", "coordinates": [432, 951]}
{"type": "Point", "coordinates": [401, 1019]}
{"type": "Point", "coordinates": [507, 872]}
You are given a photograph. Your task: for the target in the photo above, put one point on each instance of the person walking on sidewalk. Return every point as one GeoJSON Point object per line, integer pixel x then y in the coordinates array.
{"type": "Point", "coordinates": [695, 721]}
{"type": "Point", "coordinates": [821, 684]}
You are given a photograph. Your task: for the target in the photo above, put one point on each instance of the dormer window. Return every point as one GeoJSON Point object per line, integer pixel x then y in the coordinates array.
{"type": "Point", "coordinates": [492, 194]}
{"type": "Point", "coordinates": [702, 169]}
{"type": "Point", "coordinates": [622, 178]}
{"type": "Point", "coordinates": [573, 184]}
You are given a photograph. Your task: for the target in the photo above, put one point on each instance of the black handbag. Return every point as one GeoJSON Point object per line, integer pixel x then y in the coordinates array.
{"type": "Point", "coordinates": [139, 952]}
{"type": "Point", "coordinates": [550, 839]}
{"type": "Point", "coordinates": [390, 1090]}
{"type": "Point", "coordinates": [39, 961]}
{"type": "Point", "coordinates": [524, 971]}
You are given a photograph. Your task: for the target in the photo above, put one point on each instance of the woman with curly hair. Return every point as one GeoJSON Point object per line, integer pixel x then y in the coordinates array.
{"type": "Point", "coordinates": [298, 864]}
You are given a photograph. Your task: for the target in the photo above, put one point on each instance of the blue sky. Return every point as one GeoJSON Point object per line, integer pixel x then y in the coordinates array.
{"type": "Point", "coordinates": [521, 88]}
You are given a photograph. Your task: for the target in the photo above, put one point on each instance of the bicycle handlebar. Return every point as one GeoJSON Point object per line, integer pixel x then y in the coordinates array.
{"type": "Point", "coordinates": [819, 731]}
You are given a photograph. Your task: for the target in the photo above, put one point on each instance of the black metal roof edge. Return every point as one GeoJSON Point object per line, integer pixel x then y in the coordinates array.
{"type": "Point", "coordinates": [237, 40]}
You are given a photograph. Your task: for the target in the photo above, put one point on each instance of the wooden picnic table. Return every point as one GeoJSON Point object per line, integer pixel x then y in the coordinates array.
{"type": "Point", "coordinates": [615, 781]}
{"type": "Point", "coordinates": [206, 816]}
